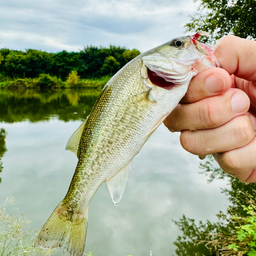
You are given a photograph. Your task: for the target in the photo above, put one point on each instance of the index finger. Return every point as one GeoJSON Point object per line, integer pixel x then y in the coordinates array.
{"type": "Point", "coordinates": [211, 82]}
{"type": "Point", "coordinates": [237, 56]}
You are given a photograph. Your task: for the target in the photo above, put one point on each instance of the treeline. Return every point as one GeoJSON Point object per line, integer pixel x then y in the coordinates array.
{"type": "Point", "coordinates": [91, 62]}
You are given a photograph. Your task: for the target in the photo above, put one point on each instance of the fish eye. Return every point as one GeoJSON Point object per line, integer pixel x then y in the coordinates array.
{"type": "Point", "coordinates": [177, 43]}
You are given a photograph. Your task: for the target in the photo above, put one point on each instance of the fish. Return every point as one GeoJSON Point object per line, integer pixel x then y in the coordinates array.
{"type": "Point", "coordinates": [129, 109]}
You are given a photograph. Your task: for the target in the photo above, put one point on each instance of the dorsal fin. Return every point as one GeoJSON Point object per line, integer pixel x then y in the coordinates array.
{"type": "Point", "coordinates": [74, 140]}
{"type": "Point", "coordinates": [116, 184]}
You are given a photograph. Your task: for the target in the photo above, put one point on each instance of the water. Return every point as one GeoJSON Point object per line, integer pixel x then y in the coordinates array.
{"type": "Point", "coordinates": [164, 182]}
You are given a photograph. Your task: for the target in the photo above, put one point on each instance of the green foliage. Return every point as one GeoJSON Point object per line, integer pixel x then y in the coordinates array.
{"type": "Point", "coordinates": [94, 82]}
{"type": "Point", "coordinates": [64, 62]}
{"type": "Point", "coordinates": [14, 241]}
{"type": "Point", "coordinates": [235, 231]}
{"type": "Point", "coordinates": [91, 67]}
{"type": "Point", "coordinates": [73, 79]}
{"type": "Point", "coordinates": [195, 237]}
{"type": "Point", "coordinates": [245, 239]}
{"type": "Point", "coordinates": [130, 54]}
{"type": "Point", "coordinates": [21, 83]}
{"type": "Point", "coordinates": [233, 247]}
{"type": "Point", "coordinates": [224, 17]}
{"type": "Point", "coordinates": [110, 66]}
{"type": "Point", "coordinates": [210, 169]}
{"type": "Point", "coordinates": [91, 62]}
{"type": "Point", "coordinates": [45, 81]}
{"type": "Point", "coordinates": [1, 58]}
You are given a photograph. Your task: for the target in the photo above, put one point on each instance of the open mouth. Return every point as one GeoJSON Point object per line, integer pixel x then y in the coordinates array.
{"type": "Point", "coordinates": [159, 81]}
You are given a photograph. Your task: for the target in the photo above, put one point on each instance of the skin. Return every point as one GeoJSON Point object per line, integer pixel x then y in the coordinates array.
{"type": "Point", "coordinates": [217, 115]}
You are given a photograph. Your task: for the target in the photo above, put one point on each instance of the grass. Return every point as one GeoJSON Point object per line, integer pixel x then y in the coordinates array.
{"type": "Point", "coordinates": [14, 241]}
{"type": "Point", "coordinates": [46, 81]}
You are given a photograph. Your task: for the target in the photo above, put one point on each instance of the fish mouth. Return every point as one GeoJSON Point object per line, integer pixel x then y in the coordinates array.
{"type": "Point", "coordinates": [159, 81]}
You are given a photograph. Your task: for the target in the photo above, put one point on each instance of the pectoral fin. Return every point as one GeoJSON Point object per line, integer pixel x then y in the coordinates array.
{"type": "Point", "coordinates": [74, 140]}
{"type": "Point", "coordinates": [116, 184]}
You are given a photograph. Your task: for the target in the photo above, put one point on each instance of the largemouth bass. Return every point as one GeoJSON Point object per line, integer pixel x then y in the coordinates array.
{"type": "Point", "coordinates": [131, 106]}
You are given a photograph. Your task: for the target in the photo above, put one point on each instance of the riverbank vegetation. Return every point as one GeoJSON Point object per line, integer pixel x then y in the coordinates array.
{"type": "Point", "coordinates": [14, 240]}
{"type": "Point", "coordinates": [235, 231]}
{"type": "Point", "coordinates": [91, 67]}
{"type": "Point", "coordinates": [16, 237]}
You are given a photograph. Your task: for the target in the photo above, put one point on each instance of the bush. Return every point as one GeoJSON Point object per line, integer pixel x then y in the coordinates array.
{"type": "Point", "coordinates": [21, 83]}
{"type": "Point", "coordinates": [45, 81]}
{"type": "Point", "coordinates": [13, 240]}
{"type": "Point", "coordinates": [73, 79]}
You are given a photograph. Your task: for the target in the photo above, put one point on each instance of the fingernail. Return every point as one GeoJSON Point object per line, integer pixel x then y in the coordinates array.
{"type": "Point", "coordinates": [215, 83]}
{"type": "Point", "coordinates": [240, 102]}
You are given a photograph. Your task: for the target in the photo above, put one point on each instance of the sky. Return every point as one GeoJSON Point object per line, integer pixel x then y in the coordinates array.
{"type": "Point", "coordinates": [56, 25]}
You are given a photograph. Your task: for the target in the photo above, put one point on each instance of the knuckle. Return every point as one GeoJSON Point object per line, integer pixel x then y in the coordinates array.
{"type": "Point", "coordinates": [208, 115]}
{"type": "Point", "coordinates": [244, 131]}
{"type": "Point", "coordinates": [231, 162]}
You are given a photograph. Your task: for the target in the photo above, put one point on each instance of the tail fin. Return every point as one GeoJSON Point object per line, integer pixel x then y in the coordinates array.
{"type": "Point", "coordinates": [64, 227]}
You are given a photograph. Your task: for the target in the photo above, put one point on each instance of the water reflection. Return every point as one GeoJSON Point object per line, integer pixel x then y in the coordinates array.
{"type": "Point", "coordinates": [35, 105]}
{"type": "Point", "coordinates": [3, 148]}
{"type": "Point", "coordinates": [163, 184]}
{"type": "Point", "coordinates": [235, 228]}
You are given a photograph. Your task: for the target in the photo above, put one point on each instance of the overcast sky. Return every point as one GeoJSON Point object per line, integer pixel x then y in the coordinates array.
{"type": "Point", "coordinates": [56, 25]}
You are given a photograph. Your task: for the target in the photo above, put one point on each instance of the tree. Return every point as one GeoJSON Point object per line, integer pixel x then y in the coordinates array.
{"type": "Point", "coordinates": [38, 62]}
{"type": "Point", "coordinates": [110, 66]}
{"type": "Point", "coordinates": [91, 62]}
{"type": "Point", "coordinates": [46, 81]}
{"type": "Point", "coordinates": [1, 58]}
{"type": "Point", "coordinates": [16, 64]}
{"type": "Point", "coordinates": [235, 230]}
{"type": "Point", "coordinates": [73, 78]}
{"type": "Point", "coordinates": [225, 17]}
{"type": "Point", "coordinates": [64, 62]}
{"type": "Point", "coordinates": [130, 54]}
{"type": "Point", "coordinates": [93, 58]}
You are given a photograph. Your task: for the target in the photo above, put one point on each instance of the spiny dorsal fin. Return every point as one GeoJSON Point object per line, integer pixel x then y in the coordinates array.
{"type": "Point", "coordinates": [116, 184]}
{"type": "Point", "coordinates": [74, 140]}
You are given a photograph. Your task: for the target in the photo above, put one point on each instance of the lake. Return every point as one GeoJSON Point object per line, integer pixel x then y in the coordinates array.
{"type": "Point", "coordinates": [164, 182]}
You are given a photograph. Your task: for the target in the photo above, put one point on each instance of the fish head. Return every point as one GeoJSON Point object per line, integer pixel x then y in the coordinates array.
{"type": "Point", "coordinates": [176, 62]}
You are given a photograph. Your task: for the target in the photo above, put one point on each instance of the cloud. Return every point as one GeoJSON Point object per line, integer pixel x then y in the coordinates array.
{"type": "Point", "coordinates": [59, 24]}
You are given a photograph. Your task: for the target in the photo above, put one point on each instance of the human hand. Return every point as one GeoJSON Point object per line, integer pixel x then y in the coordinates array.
{"type": "Point", "coordinates": [214, 117]}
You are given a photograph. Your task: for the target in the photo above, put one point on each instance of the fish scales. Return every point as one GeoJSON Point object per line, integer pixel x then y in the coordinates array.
{"type": "Point", "coordinates": [131, 106]}
{"type": "Point", "coordinates": [96, 165]}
